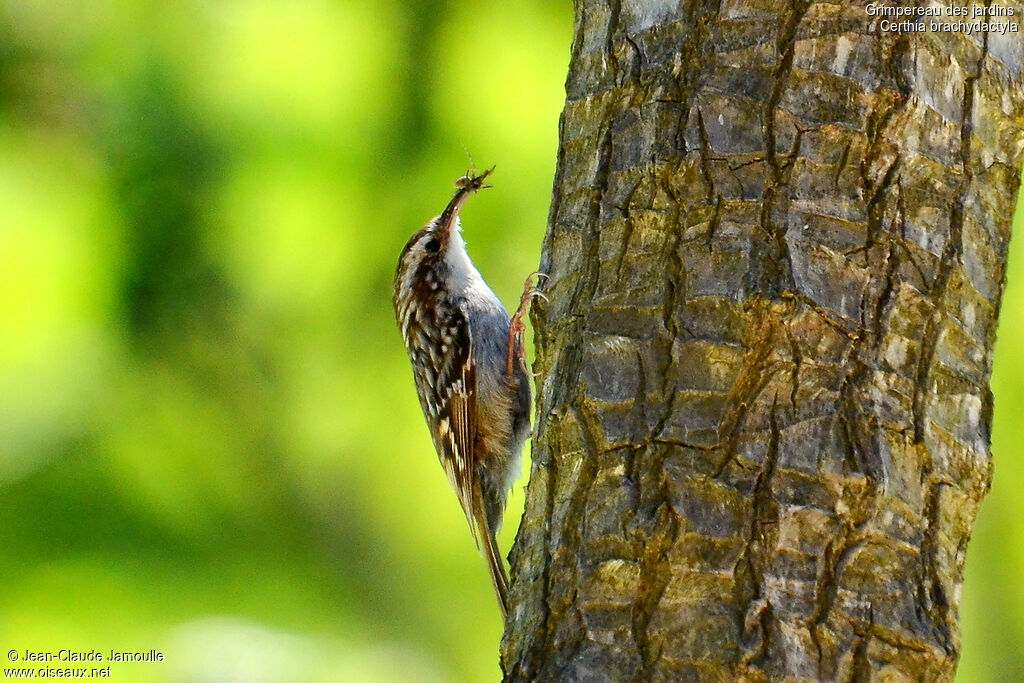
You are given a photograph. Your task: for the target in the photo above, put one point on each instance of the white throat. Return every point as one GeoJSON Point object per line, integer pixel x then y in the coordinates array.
{"type": "Point", "coordinates": [463, 272]}
{"type": "Point", "coordinates": [465, 278]}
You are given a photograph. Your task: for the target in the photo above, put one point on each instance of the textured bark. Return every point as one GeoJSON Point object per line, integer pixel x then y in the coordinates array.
{"type": "Point", "coordinates": [776, 253]}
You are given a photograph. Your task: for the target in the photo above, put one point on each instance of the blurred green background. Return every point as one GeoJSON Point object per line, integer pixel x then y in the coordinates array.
{"type": "Point", "coordinates": [209, 440]}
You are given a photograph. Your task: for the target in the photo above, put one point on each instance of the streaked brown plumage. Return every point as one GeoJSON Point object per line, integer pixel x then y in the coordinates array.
{"type": "Point", "coordinates": [469, 371]}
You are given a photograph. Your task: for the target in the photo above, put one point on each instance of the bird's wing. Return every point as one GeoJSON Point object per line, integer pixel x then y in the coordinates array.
{"type": "Point", "coordinates": [456, 394]}
{"type": "Point", "coordinates": [456, 389]}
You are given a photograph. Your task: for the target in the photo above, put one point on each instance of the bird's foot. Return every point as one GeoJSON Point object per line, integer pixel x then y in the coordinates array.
{"type": "Point", "coordinates": [516, 326]}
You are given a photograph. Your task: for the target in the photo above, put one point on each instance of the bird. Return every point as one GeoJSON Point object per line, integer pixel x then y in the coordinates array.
{"type": "Point", "coordinates": [469, 368]}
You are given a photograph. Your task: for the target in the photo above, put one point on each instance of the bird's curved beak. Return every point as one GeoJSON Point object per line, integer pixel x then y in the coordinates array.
{"type": "Point", "coordinates": [467, 185]}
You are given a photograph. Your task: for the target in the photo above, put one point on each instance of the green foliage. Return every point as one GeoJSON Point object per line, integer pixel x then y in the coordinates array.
{"type": "Point", "coordinates": [209, 440]}
{"type": "Point", "coordinates": [210, 443]}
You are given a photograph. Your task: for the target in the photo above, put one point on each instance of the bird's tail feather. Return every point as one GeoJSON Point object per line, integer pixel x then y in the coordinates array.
{"type": "Point", "coordinates": [495, 562]}
{"type": "Point", "coordinates": [498, 575]}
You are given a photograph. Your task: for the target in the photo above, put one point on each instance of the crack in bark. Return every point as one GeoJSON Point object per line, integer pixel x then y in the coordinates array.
{"type": "Point", "coordinates": [714, 223]}
{"type": "Point", "coordinates": [641, 57]}
{"type": "Point", "coordinates": [794, 350]}
{"type": "Point", "coordinates": [655, 574]}
{"type": "Point", "coordinates": [615, 11]}
{"type": "Point", "coordinates": [834, 559]}
{"type": "Point", "coordinates": [693, 47]}
{"type": "Point", "coordinates": [674, 284]}
{"type": "Point", "coordinates": [757, 627]}
{"type": "Point", "coordinates": [860, 665]}
{"type": "Point", "coordinates": [674, 278]}
{"type": "Point", "coordinates": [639, 412]}
{"type": "Point", "coordinates": [780, 260]}
{"type": "Point", "coordinates": [886, 298]}
{"type": "Point", "coordinates": [840, 165]}
{"type": "Point", "coordinates": [875, 205]}
{"type": "Point", "coordinates": [932, 597]}
{"type": "Point", "coordinates": [705, 157]}
{"type": "Point", "coordinates": [751, 381]}
{"type": "Point", "coordinates": [627, 232]}
{"type": "Point", "coordinates": [848, 331]}
{"type": "Point", "coordinates": [898, 641]}
{"type": "Point", "coordinates": [749, 570]}
{"type": "Point", "coordinates": [705, 168]}
{"type": "Point", "coordinates": [858, 444]}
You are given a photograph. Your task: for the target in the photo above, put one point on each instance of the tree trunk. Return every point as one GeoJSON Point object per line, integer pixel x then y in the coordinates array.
{"type": "Point", "coordinates": [776, 253]}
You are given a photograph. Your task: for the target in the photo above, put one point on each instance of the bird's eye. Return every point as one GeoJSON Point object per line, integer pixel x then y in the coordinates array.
{"type": "Point", "coordinates": [432, 245]}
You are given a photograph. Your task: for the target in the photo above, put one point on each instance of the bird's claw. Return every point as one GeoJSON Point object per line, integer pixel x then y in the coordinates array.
{"type": "Point", "coordinates": [516, 326]}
